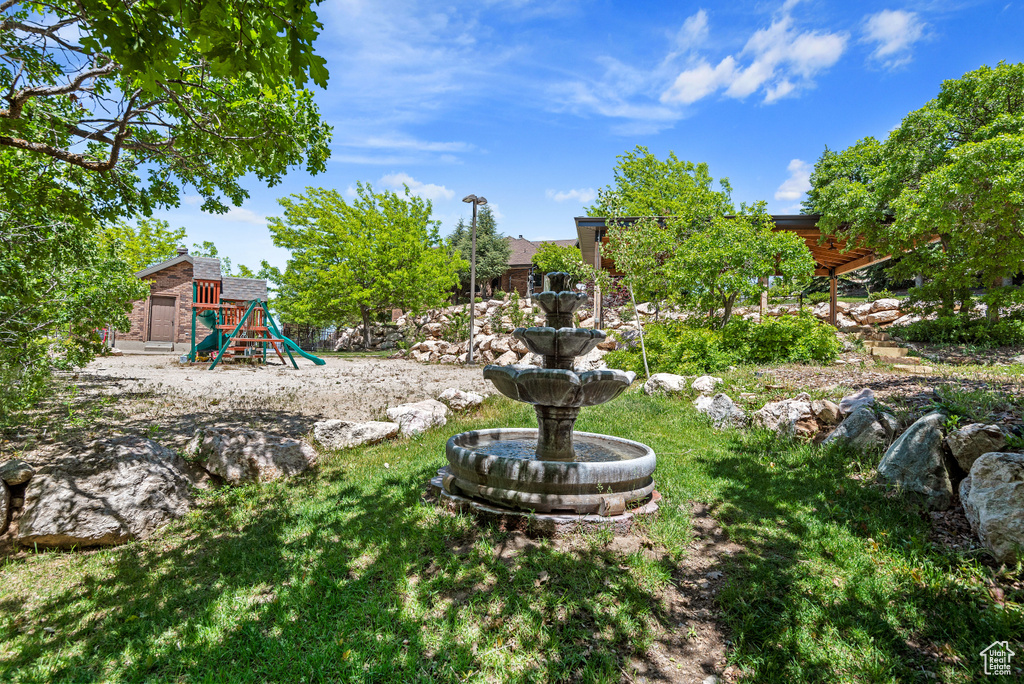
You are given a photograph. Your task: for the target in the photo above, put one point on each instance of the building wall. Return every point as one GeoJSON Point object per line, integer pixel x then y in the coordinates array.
{"type": "Point", "coordinates": [516, 278]}
{"type": "Point", "coordinates": [173, 281]}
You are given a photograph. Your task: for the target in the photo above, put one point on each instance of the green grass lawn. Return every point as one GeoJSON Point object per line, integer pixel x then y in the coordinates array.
{"type": "Point", "coordinates": [346, 574]}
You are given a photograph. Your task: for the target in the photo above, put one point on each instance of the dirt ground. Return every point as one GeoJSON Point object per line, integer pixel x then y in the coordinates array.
{"type": "Point", "coordinates": [155, 396]}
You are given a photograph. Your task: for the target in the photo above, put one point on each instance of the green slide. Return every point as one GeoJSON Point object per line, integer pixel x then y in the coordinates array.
{"type": "Point", "coordinates": [211, 342]}
{"type": "Point", "coordinates": [288, 344]}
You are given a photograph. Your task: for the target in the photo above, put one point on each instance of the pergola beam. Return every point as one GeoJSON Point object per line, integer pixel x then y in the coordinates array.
{"type": "Point", "coordinates": [863, 262]}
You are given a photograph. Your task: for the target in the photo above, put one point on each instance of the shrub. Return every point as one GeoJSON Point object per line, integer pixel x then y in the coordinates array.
{"type": "Point", "coordinates": [457, 328]}
{"type": "Point", "coordinates": [881, 294]}
{"type": "Point", "coordinates": [677, 347]}
{"type": "Point", "coordinates": [980, 332]}
{"type": "Point", "coordinates": [515, 312]}
{"type": "Point", "coordinates": [817, 297]}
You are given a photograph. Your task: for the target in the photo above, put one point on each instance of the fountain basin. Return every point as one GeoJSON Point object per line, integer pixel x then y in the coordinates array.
{"type": "Point", "coordinates": [558, 387]}
{"type": "Point", "coordinates": [500, 466]}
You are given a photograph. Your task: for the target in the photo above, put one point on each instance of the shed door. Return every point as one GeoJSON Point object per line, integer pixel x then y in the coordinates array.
{"type": "Point", "coordinates": [161, 319]}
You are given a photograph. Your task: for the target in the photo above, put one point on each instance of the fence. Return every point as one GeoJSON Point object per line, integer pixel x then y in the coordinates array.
{"type": "Point", "coordinates": [311, 338]}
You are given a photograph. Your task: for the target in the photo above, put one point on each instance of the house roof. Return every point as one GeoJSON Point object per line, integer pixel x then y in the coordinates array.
{"type": "Point", "coordinates": [827, 256]}
{"type": "Point", "coordinates": [523, 250]}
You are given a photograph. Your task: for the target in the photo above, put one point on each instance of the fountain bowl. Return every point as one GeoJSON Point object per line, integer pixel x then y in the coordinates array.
{"type": "Point", "coordinates": [500, 466]}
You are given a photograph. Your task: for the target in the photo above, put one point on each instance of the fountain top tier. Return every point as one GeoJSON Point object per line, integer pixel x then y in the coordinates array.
{"type": "Point", "coordinates": [556, 390]}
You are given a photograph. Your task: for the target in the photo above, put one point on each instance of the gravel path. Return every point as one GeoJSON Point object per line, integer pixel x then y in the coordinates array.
{"type": "Point", "coordinates": [155, 396]}
{"type": "Point", "coordinates": [352, 388]}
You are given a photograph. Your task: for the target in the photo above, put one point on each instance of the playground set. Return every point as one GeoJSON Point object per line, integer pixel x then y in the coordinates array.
{"type": "Point", "coordinates": [240, 330]}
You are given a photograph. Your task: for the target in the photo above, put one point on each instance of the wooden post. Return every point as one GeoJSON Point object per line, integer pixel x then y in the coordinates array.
{"type": "Point", "coordinates": [764, 296]}
{"type": "Point", "coordinates": [833, 301]}
{"type": "Point", "coordinates": [598, 312]}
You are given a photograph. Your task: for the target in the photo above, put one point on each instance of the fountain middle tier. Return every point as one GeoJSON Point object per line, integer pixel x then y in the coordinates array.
{"type": "Point", "coordinates": [557, 386]}
{"type": "Point", "coordinates": [559, 346]}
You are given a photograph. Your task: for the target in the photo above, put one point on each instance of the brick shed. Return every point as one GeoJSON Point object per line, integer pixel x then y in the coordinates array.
{"type": "Point", "coordinates": [163, 320]}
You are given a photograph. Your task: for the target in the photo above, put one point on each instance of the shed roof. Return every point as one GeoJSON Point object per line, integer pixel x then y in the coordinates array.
{"type": "Point", "coordinates": [208, 268]}
{"type": "Point", "coordinates": [163, 264]}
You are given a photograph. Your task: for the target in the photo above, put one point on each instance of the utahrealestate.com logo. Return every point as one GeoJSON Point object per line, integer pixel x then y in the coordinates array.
{"type": "Point", "coordinates": [997, 658]}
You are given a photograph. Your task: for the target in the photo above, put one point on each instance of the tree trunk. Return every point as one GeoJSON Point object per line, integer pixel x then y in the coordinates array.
{"type": "Point", "coordinates": [966, 304]}
{"type": "Point", "coordinates": [729, 302]}
{"type": "Point", "coordinates": [365, 310]}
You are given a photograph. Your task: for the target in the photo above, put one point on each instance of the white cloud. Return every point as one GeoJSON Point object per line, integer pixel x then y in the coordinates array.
{"type": "Point", "coordinates": [799, 181]}
{"type": "Point", "coordinates": [700, 81]}
{"type": "Point", "coordinates": [581, 195]}
{"type": "Point", "coordinates": [406, 143]}
{"type": "Point", "coordinates": [894, 33]}
{"type": "Point", "coordinates": [429, 191]}
{"type": "Point", "coordinates": [694, 31]}
{"type": "Point", "coordinates": [408, 62]}
{"type": "Point", "coordinates": [779, 60]}
{"type": "Point", "coordinates": [242, 215]}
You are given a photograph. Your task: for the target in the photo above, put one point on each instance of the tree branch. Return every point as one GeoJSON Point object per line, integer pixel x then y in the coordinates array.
{"type": "Point", "coordinates": [19, 99]}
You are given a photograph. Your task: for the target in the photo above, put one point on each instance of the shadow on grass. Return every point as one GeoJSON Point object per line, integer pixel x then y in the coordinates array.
{"type": "Point", "coordinates": [838, 581]}
{"type": "Point", "coordinates": [326, 579]}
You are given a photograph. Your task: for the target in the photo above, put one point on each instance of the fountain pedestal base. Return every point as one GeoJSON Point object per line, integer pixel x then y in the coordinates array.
{"type": "Point", "coordinates": [542, 524]}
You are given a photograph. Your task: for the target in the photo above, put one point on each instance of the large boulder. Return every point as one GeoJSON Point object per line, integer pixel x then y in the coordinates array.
{"type": "Point", "coordinates": [592, 360]}
{"type": "Point", "coordinates": [788, 416]}
{"type": "Point", "coordinates": [878, 317]}
{"type": "Point", "coordinates": [344, 434]}
{"type": "Point", "coordinates": [993, 499]}
{"type": "Point", "coordinates": [509, 358]}
{"type": "Point", "coordinates": [243, 456]}
{"type": "Point", "coordinates": [457, 400]}
{"type": "Point", "coordinates": [916, 462]}
{"type": "Point", "coordinates": [706, 384]}
{"type": "Point", "coordinates": [861, 311]}
{"type": "Point", "coordinates": [851, 402]}
{"type": "Point", "coordinates": [844, 322]}
{"type": "Point", "coordinates": [665, 383]}
{"type": "Point", "coordinates": [887, 304]}
{"type": "Point", "coordinates": [861, 430]}
{"type": "Point", "coordinates": [16, 472]}
{"type": "Point", "coordinates": [971, 441]}
{"type": "Point", "coordinates": [115, 491]}
{"type": "Point", "coordinates": [721, 409]}
{"type": "Point", "coordinates": [419, 416]}
{"type": "Point", "coordinates": [825, 411]}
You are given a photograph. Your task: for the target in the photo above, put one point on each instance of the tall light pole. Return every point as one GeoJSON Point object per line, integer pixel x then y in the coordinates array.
{"type": "Point", "coordinates": [475, 201]}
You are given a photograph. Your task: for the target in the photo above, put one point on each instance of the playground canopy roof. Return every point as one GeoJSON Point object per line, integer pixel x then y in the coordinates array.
{"type": "Point", "coordinates": [830, 259]}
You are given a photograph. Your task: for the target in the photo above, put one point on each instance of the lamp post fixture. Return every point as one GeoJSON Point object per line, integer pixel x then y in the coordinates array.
{"type": "Point", "coordinates": [475, 201]}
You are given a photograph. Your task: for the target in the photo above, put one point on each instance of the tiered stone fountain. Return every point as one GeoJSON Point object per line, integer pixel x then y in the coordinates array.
{"type": "Point", "coordinates": [552, 470]}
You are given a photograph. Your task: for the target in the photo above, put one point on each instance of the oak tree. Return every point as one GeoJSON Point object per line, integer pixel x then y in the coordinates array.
{"type": "Point", "coordinates": [357, 260]}
{"type": "Point", "coordinates": [944, 191]}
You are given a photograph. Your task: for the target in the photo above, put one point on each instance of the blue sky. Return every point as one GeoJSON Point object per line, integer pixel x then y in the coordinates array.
{"type": "Point", "coordinates": [528, 103]}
